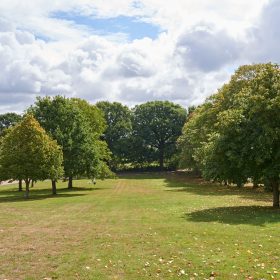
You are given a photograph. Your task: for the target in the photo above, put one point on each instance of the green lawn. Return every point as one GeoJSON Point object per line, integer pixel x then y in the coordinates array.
{"type": "Point", "coordinates": [147, 226]}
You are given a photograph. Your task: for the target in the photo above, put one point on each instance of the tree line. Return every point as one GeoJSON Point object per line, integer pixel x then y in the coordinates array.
{"type": "Point", "coordinates": [143, 136]}
{"type": "Point", "coordinates": [68, 137]}
{"type": "Point", "coordinates": [233, 137]}
{"type": "Point", "coordinates": [57, 137]}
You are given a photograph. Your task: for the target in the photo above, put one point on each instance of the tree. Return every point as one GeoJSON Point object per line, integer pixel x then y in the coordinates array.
{"type": "Point", "coordinates": [28, 153]}
{"type": "Point", "coordinates": [156, 127]}
{"type": "Point", "coordinates": [7, 120]}
{"type": "Point", "coordinates": [244, 138]}
{"type": "Point", "coordinates": [252, 123]}
{"type": "Point", "coordinates": [96, 152]}
{"type": "Point", "coordinates": [77, 127]}
{"type": "Point", "coordinates": [259, 104]}
{"type": "Point", "coordinates": [195, 133]}
{"type": "Point", "coordinates": [93, 116]}
{"type": "Point", "coordinates": [118, 132]}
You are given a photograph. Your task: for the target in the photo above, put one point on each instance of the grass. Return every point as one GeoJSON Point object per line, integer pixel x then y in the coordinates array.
{"type": "Point", "coordinates": [140, 226]}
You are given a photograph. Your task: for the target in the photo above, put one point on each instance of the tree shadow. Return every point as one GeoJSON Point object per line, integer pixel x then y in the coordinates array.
{"type": "Point", "coordinates": [196, 185]}
{"type": "Point", "coordinates": [253, 215]}
{"type": "Point", "coordinates": [32, 197]}
{"type": "Point", "coordinates": [144, 175]}
{"type": "Point", "coordinates": [81, 189]}
{"type": "Point", "coordinates": [233, 215]}
{"type": "Point", "coordinates": [13, 195]}
{"type": "Point", "coordinates": [182, 181]}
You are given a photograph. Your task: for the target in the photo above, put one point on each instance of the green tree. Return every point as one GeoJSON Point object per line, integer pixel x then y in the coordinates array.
{"type": "Point", "coordinates": [77, 127]}
{"type": "Point", "coordinates": [259, 107]}
{"type": "Point", "coordinates": [248, 129]}
{"type": "Point", "coordinates": [28, 153]}
{"type": "Point", "coordinates": [118, 132]}
{"type": "Point", "coordinates": [7, 120]}
{"type": "Point", "coordinates": [243, 140]}
{"type": "Point", "coordinates": [156, 127]}
{"type": "Point", "coordinates": [190, 111]}
{"type": "Point", "coordinates": [96, 153]}
{"type": "Point", "coordinates": [195, 133]}
{"type": "Point", "coordinates": [93, 115]}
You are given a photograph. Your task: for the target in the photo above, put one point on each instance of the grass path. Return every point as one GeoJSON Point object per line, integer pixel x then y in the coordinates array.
{"type": "Point", "coordinates": [147, 226]}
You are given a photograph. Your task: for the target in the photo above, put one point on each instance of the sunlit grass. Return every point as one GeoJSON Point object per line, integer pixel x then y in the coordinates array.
{"type": "Point", "coordinates": [147, 226]}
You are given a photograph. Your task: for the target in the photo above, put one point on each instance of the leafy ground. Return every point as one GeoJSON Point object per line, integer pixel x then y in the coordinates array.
{"type": "Point", "coordinates": [147, 226]}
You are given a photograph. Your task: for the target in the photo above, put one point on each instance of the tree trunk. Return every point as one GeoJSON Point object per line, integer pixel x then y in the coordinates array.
{"type": "Point", "coordinates": [70, 182]}
{"type": "Point", "coordinates": [20, 185]}
{"type": "Point", "coordinates": [27, 181]}
{"type": "Point", "coordinates": [255, 184]}
{"type": "Point", "coordinates": [53, 186]}
{"type": "Point", "coordinates": [161, 158]}
{"type": "Point", "coordinates": [275, 187]}
{"type": "Point", "coordinates": [240, 184]}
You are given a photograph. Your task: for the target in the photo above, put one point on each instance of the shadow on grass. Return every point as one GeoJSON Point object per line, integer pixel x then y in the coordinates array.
{"type": "Point", "coordinates": [142, 175]}
{"type": "Point", "coordinates": [190, 183]}
{"type": "Point", "coordinates": [13, 195]}
{"type": "Point", "coordinates": [253, 215]}
{"type": "Point", "coordinates": [233, 215]}
{"type": "Point", "coordinates": [194, 185]}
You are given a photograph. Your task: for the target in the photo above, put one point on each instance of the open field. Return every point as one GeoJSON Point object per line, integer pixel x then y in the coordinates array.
{"type": "Point", "coordinates": [147, 226]}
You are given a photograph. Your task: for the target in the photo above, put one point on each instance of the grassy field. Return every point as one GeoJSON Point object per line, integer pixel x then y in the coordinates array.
{"type": "Point", "coordinates": [147, 226]}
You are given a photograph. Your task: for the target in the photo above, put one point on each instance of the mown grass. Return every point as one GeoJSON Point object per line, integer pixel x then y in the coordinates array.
{"type": "Point", "coordinates": [140, 226]}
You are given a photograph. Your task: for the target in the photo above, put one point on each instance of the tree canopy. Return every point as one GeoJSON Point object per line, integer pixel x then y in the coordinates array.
{"type": "Point", "coordinates": [77, 127]}
{"type": "Point", "coordinates": [235, 135]}
{"type": "Point", "coordinates": [7, 120]}
{"type": "Point", "coordinates": [28, 153]}
{"type": "Point", "coordinates": [156, 127]}
{"type": "Point", "coordinates": [118, 131]}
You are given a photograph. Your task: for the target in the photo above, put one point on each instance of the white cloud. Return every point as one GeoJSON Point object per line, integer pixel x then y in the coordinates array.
{"type": "Point", "coordinates": [264, 38]}
{"type": "Point", "coordinates": [202, 43]}
{"type": "Point", "coordinates": [207, 50]}
{"type": "Point", "coordinates": [18, 73]}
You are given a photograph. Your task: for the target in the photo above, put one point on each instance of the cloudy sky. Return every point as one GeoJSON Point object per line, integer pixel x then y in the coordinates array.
{"type": "Point", "coordinates": [130, 50]}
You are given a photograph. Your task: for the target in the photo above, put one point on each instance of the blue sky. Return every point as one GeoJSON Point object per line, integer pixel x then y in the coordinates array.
{"type": "Point", "coordinates": [132, 27]}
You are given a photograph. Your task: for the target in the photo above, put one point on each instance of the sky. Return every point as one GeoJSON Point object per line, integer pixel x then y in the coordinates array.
{"type": "Point", "coordinates": [131, 51]}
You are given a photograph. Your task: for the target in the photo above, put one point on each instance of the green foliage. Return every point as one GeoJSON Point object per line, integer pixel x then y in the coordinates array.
{"type": "Point", "coordinates": [92, 115]}
{"type": "Point", "coordinates": [249, 126]}
{"type": "Point", "coordinates": [28, 153]}
{"type": "Point", "coordinates": [156, 127]}
{"type": "Point", "coordinates": [118, 132]}
{"type": "Point", "coordinates": [7, 120]}
{"type": "Point", "coordinates": [235, 135]}
{"type": "Point", "coordinates": [190, 111]}
{"type": "Point", "coordinates": [77, 127]}
{"type": "Point", "coordinates": [195, 133]}
{"type": "Point", "coordinates": [96, 153]}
